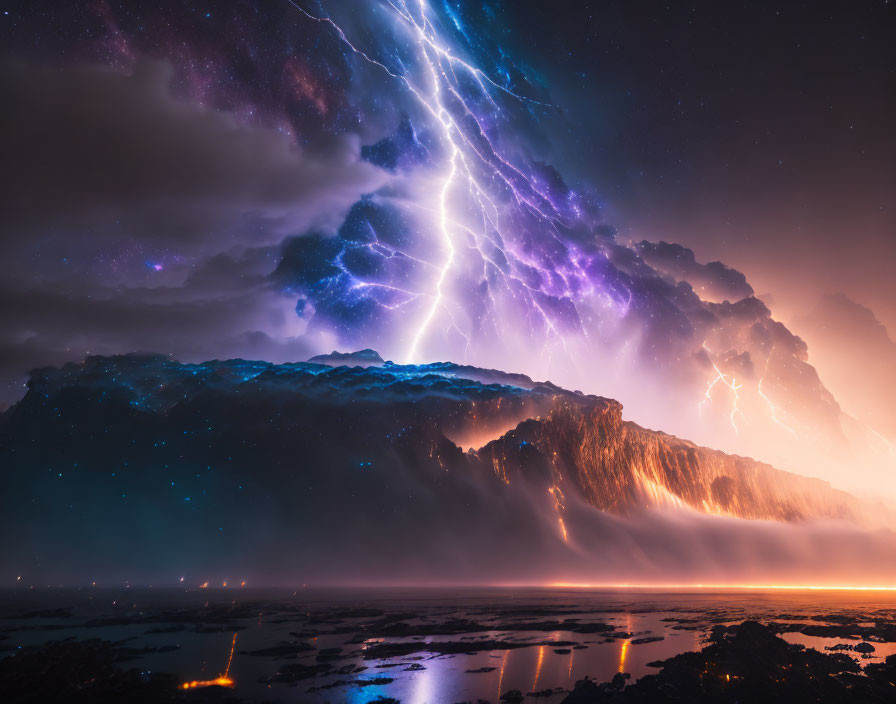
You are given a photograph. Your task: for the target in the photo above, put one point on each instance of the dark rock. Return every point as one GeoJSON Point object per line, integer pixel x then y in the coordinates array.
{"type": "Point", "coordinates": [381, 651]}
{"type": "Point", "coordinates": [373, 682]}
{"type": "Point", "coordinates": [296, 672]}
{"type": "Point", "coordinates": [329, 654]}
{"type": "Point", "coordinates": [83, 672]}
{"type": "Point", "coordinates": [282, 649]}
{"type": "Point", "coordinates": [749, 663]}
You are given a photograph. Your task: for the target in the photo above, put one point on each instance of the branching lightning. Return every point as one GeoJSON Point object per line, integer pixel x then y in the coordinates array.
{"type": "Point", "coordinates": [484, 202]}
{"type": "Point", "coordinates": [773, 409]}
{"type": "Point", "coordinates": [731, 383]}
{"type": "Point", "coordinates": [495, 259]}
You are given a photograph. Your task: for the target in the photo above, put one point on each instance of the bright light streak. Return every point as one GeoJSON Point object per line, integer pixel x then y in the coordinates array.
{"type": "Point", "coordinates": [222, 680]}
{"type": "Point", "coordinates": [218, 681]}
{"type": "Point", "coordinates": [501, 672]}
{"type": "Point", "coordinates": [471, 155]}
{"type": "Point", "coordinates": [623, 654]}
{"type": "Point", "coordinates": [557, 495]}
{"type": "Point", "coordinates": [538, 665]}
{"type": "Point", "coordinates": [774, 410]}
{"type": "Point", "coordinates": [731, 383]}
{"type": "Point", "coordinates": [230, 657]}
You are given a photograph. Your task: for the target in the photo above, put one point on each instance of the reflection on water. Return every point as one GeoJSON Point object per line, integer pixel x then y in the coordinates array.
{"type": "Point", "coordinates": [623, 651]}
{"type": "Point", "coordinates": [881, 650]}
{"type": "Point", "coordinates": [547, 637]}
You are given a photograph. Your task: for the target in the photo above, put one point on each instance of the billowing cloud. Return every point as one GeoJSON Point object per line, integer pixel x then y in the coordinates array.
{"type": "Point", "coordinates": [712, 281]}
{"type": "Point", "coordinates": [43, 326]}
{"type": "Point", "coordinates": [137, 220]}
{"type": "Point", "coordinates": [107, 155]}
{"type": "Point", "coordinates": [856, 358]}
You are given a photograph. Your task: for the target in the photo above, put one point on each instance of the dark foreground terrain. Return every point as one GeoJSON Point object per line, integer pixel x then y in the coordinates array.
{"type": "Point", "coordinates": [744, 663]}
{"type": "Point", "coordinates": [494, 646]}
{"type": "Point", "coordinates": [749, 663]}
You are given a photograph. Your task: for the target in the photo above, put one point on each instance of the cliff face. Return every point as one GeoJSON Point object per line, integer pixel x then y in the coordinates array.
{"type": "Point", "coordinates": [587, 449]}
{"type": "Point", "coordinates": [144, 465]}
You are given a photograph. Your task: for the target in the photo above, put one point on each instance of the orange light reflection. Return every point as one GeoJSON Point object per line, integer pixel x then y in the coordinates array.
{"type": "Point", "coordinates": [623, 654]}
{"type": "Point", "coordinates": [538, 667]}
{"type": "Point", "coordinates": [220, 682]}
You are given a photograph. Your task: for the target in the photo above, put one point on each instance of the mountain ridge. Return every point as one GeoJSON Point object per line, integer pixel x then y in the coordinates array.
{"type": "Point", "coordinates": [351, 470]}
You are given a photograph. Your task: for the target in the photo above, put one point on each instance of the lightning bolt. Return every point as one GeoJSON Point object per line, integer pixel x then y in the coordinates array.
{"type": "Point", "coordinates": [731, 383]}
{"type": "Point", "coordinates": [773, 409]}
{"type": "Point", "coordinates": [491, 187]}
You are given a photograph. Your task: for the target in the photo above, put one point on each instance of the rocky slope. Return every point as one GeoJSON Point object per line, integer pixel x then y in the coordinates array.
{"type": "Point", "coordinates": [619, 466]}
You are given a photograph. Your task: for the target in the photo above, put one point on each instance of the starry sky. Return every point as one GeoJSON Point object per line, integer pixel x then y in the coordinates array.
{"type": "Point", "coordinates": [680, 206]}
{"type": "Point", "coordinates": [759, 134]}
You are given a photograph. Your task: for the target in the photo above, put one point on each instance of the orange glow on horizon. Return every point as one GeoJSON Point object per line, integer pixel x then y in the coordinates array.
{"type": "Point", "coordinates": [790, 587]}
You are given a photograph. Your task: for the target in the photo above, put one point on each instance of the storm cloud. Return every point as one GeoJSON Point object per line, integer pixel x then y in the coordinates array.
{"type": "Point", "coordinates": [109, 153]}
{"type": "Point", "coordinates": [137, 220]}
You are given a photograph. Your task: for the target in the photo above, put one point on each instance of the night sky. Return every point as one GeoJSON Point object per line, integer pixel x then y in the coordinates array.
{"type": "Point", "coordinates": [760, 134]}
{"type": "Point", "coordinates": [275, 180]}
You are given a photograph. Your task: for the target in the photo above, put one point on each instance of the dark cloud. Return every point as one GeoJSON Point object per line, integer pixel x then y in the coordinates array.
{"type": "Point", "coordinates": [39, 326]}
{"type": "Point", "coordinates": [102, 154]}
{"type": "Point", "coordinates": [712, 281]}
{"type": "Point", "coordinates": [225, 306]}
{"type": "Point", "coordinates": [131, 220]}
